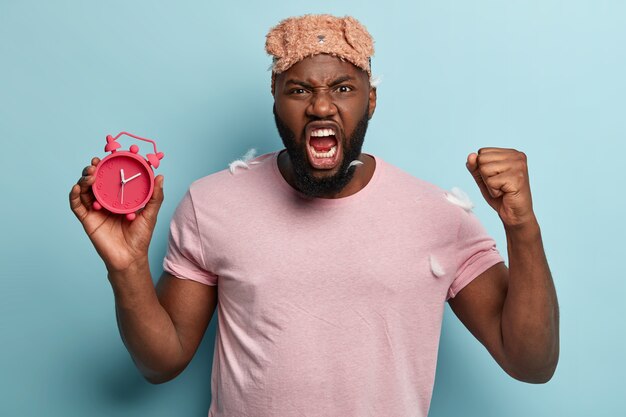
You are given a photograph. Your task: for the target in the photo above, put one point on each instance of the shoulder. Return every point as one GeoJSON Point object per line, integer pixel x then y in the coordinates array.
{"type": "Point", "coordinates": [236, 182]}
{"type": "Point", "coordinates": [445, 212]}
{"type": "Point", "coordinates": [405, 185]}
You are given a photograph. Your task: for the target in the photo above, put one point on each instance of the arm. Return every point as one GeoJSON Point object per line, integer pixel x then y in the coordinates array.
{"type": "Point", "coordinates": [161, 328]}
{"type": "Point", "coordinates": [513, 312]}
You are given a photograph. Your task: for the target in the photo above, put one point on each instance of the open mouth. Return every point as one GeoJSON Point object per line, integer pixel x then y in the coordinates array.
{"type": "Point", "coordinates": [323, 148]}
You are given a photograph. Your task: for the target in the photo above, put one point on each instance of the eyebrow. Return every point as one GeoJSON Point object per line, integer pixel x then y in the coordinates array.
{"type": "Point", "coordinates": [333, 83]}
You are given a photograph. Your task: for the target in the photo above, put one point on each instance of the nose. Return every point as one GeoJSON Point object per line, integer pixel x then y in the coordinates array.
{"type": "Point", "coordinates": [321, 105]}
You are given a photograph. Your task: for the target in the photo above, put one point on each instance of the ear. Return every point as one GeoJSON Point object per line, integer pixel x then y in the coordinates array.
{"type": "Point", "coordinates": [372, 102]}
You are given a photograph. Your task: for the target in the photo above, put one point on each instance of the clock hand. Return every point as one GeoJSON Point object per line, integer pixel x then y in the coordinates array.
{"type": "Point", "coordinates": [133, 177]}
{"type": "Point", "coordinates": [122, 174]}
{"type": "Point", "coordinates": [122, 202]}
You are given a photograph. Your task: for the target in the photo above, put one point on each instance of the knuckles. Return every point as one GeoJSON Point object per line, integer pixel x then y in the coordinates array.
{"type": "Point", "coordinates": [486, 155]}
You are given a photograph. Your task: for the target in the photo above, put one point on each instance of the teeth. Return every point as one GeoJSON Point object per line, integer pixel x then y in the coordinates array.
{"type": "Point", "coordinates": [328, 154]}
{"type": "Point", "coordinates": [320, 133]}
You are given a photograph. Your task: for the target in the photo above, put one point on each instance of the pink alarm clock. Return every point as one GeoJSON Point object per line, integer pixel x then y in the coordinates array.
{"type": "Point", "coordinates": [125, 180]}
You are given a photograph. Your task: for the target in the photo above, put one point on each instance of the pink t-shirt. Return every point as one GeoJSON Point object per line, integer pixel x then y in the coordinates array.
{"type": "Point", "coordinates": [326, 307]}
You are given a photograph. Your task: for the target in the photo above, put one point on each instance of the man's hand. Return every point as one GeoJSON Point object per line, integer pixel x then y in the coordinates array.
{"type": "Point", "coordinates": [161, 331]}
{"type": "Point", "coordinates": [120, 243]}
{"type": "Point", "coordinates": [502, 176]}
{"type": "Point", "coordinates": [513, 312]}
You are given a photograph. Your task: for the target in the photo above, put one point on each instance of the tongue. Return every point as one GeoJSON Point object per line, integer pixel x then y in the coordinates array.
{"type": "Point", "coordinates": [323, 144]}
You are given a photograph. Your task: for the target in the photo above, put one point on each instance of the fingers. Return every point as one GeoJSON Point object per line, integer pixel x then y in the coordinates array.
{"type": "Point", "coordinates": [486, 155]}
{"type": "Point", "coordinates": [498, 170]}
{"type": "Point", "coordinates": [489, 169]}
{"type": "Point", "coordinates": [492, 150]}
{"type": "Point", "coordinates": [76, 205]}
{"type": "Point", "coordinates": [151, 209]}
{"type": "Point", "coordinates": [500, 184]}
{"type": "Point", "coordinates": [81, 196]}
{"type": "Point", "coordinates": [85, 182]}
{"type": "Point", "coordinates": [474, 167]}
{"type": "Point", "coordinates": [90, 169]}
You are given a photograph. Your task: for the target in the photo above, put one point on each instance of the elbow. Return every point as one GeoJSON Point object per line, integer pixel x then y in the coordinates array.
{"type": "Point", "coordinates": [158, 371]}
{"type": "Point", "coordinates": [161, 374]}
{"type": "Point", "coordinates": [541, 377]}
{"type": "Point", "coordinates": [156, 380]}
{"type": "Point", "coordinates": [160, 378]}
{"type": "Point", "coordinates": [535, 373]}
{"type": "Point", "coordinates": [536, 365]}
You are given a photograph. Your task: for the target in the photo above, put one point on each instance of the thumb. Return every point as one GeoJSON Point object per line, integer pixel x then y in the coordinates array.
{"type": "Point", "coordinates": [151, 209]}
{"type": "Point", "coordinates": [472, 167]}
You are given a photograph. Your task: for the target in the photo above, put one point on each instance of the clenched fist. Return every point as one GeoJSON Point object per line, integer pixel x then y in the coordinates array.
{"type": "Point", "coordinates": [502, 176]}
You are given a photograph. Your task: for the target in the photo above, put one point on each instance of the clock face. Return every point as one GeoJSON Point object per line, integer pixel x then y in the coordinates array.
{"type": "Point", "coordinates": [124, 182]}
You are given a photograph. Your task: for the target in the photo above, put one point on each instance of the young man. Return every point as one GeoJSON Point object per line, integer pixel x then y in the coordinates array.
{"type": "Point", "coordinates": [331, 266]}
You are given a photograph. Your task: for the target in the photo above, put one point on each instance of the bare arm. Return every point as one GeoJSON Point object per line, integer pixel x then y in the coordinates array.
{"type": "Point", "coordinates": [513, 312]}
{"type": "Point", "coordinates": [160, 327]}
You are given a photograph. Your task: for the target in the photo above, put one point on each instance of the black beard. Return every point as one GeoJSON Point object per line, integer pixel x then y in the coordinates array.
{"type": "Point", "coordinates": [321, 187]}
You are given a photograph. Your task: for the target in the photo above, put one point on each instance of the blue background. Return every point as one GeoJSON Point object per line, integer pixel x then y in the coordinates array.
{"type": "Point", "coordinates": [546, 77]}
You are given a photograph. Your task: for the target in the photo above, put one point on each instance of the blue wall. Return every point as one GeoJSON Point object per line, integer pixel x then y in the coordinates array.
{"type": "Point", "coordinates": [547, 77]}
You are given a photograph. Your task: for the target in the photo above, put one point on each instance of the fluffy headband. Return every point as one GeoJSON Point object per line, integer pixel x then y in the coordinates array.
{"type": "Point", "coordinates": [296, 38]}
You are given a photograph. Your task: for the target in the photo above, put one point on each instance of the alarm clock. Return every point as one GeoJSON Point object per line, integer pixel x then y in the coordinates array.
{"type": "Point", "coordinates": [124, 179]}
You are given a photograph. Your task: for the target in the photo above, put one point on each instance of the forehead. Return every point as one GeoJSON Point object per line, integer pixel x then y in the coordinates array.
{"type": "Point", "coordinates": [322, 68]}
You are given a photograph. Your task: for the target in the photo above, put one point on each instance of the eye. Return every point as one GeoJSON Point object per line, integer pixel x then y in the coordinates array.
{"type": "Point", "coordinates": [344, 89]}
{"type": "Point", "coordinates": [298, 91]}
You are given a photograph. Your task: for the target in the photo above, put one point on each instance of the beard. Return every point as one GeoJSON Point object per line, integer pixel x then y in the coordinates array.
{"type": "Point", "coordinates": [319, 187]}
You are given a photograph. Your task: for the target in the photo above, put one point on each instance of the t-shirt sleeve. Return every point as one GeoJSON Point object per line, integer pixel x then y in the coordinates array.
{"type": "Point", "coordinates": [184, 258]}
{"type": "Point", "coordinates": [476, 252]}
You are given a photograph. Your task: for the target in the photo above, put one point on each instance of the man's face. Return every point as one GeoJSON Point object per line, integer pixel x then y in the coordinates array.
{"type": "Point", "coordinates": [322, 106]}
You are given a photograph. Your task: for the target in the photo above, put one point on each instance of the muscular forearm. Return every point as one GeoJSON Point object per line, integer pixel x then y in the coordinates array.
{"type": "Point", "coordinates": [530, 319]}
{"type": "Point", "coordinates": [145, 326]}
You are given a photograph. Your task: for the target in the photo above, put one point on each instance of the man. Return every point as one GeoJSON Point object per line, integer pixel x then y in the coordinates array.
{"type": "Point", "coordinates": [331, 266]}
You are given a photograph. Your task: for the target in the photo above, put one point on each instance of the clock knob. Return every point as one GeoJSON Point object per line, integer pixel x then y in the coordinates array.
{"type": "Point", "coordinates": [134, 148]}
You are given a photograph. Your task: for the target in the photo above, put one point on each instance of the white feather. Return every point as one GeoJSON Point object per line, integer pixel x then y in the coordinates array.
{"type": "Point", "coordinates": [458, 197]}
{"type": "Point", "coordinates": [249, 155]}
{"type": "Point", "coordinates": [244, 162]}
{"type": "Point", "coordinates": [238, 163]}
{"type": "Point", "coordinates": [436, 268]}
{"type": "Point", "coordinates": [375, 80]}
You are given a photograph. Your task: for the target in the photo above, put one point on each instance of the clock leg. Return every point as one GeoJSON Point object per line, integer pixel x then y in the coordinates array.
{"type": "Point", "coordinates": [96, 206]}
{"type": "Point", "coordinates": [131, 216]}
